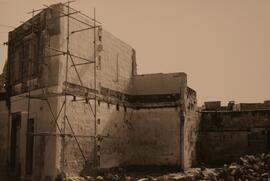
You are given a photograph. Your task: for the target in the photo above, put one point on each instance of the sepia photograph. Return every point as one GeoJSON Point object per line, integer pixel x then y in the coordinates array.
{"type": "Point", "coordinates": [134, 90]}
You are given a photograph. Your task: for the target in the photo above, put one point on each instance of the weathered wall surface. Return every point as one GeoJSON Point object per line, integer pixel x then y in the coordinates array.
{"type": "Point", "coordinates": [129, 137]}
{"type": "Point", "coordinates": [154, 137]}
{"type": "Point", "coordinates": [225, 136]}
{"type": "Point", "coordinates": [144, 132]}
{"type": "Point", "coordinates": [190, 129]}
{"type": "Point", "coordinates": [30, 62]}
{"type": "Point", "coordinates": [161, 99]}
{"type": "Point", "coordinates": [81, 121]}
{"type": "Point", "coordinates": [115, 65]}
{"type": "Point", "coordinates": [32, 65]}
{"type": "Point", "coordinates": [159, 83]}
{"type": "Point", "coordinates": [114, 126]}
{"type": "Point", "coordinates": [115, 60]}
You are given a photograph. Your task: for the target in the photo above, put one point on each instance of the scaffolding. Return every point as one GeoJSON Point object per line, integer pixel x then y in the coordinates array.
{"type": "Point", "coordinates": [69, 62]}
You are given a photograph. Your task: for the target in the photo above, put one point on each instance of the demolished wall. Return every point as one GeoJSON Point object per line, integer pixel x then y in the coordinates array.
{"type": "Point", "coordinates": [190, 130]}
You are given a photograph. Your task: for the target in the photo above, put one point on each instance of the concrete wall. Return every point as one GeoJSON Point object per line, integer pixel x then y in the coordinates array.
{"type": "Point", "coordinates": [225, 136]}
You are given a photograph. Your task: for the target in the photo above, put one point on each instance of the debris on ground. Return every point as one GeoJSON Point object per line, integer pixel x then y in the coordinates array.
{"type": "Point", "coordinates": [247, 168]}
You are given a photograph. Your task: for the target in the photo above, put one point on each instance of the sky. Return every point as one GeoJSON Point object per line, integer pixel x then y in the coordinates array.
{"type": "Point", "coordinates": [222, 45]}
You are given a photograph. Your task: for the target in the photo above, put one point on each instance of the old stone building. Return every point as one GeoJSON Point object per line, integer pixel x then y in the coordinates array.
{"type": "Point", "coordinates": [73, 106]}
{"type": "Point", "coordinates": [71, 102]}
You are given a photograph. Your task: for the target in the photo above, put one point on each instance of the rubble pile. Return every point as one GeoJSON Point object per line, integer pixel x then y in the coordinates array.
{"type": "Point", "coordinates": [247, 168]}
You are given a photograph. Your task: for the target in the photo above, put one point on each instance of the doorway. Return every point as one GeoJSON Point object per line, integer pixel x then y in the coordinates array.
{"type": "Point", "coordinates": [29, 147]}
{"type": "Point", "coordinates": [14, 144]}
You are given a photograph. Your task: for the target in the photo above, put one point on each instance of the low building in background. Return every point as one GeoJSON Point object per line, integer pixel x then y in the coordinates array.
{"type": "Point", "coordinates": [229, 132]}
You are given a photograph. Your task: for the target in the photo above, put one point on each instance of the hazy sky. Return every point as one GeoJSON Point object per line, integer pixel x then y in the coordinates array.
{"type": "Point", "coordinates": [222, 45]}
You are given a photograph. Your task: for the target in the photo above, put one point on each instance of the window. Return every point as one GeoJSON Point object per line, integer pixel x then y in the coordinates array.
{"type": "Point", "coordinates": [117, 107]}
{"type": "Point", "coordinates": [15, 129]}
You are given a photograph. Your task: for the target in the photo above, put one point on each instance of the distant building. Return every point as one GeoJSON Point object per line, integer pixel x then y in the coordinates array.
{"type": "Point", "coordinates": [229, 132]}
{"type": "Point", "coordinates": [65, 113]}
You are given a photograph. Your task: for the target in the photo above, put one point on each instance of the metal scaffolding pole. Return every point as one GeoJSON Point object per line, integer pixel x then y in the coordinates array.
{"type": "Point", "coordinates": [95, 88]}
{"type": "Point", "coordinates": [30, 65]}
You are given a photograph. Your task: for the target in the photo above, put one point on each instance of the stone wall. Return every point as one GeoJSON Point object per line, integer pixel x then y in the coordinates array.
{"type": "Point", "coordinates": [227, 135]}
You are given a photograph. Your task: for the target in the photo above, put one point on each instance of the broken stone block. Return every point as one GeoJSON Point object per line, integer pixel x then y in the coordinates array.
{"type": "Point", "coordinates": [143, 179]}
{"type": "Point", "coordinates": [99, 178]}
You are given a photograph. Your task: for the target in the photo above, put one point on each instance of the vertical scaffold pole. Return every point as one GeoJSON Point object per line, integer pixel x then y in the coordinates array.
{"type": "Point", "coordinates": [30, 64]}
{"type": "Point", "coordinates": [95, 88]}
{"type": "Point", "coordinates": [66, 78]}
